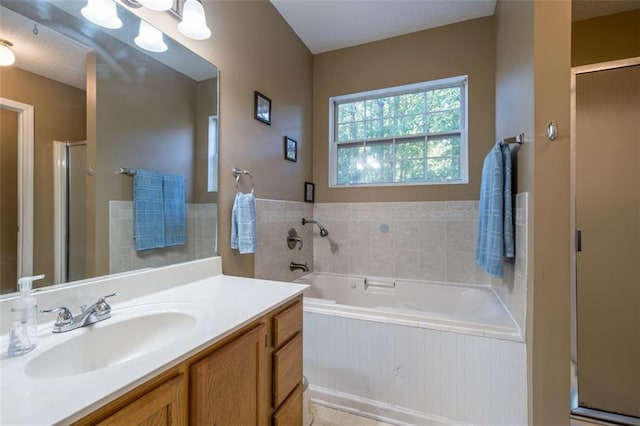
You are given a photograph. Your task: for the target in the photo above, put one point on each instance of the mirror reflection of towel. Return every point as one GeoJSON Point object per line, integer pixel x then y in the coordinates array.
{"type": "Point", "coordinates": [174, 210]}
{"type": "Point", "coordinates": [159, 210]}
{"type": "Point", "coordinates": [148, 218]}
{"type": "Point", "coordinates": [243, 223]}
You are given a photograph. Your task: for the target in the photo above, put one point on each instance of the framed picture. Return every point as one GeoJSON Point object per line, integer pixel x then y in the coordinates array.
{"type": "Point", "coordinates": [262, 108]}
{"type": "Point", "coordinates": [290, 149]}
{"type": "Point", "coordinates": [309, 192]}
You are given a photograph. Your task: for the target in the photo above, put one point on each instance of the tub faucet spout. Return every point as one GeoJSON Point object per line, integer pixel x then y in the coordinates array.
{"type": "Point", "coordinates": [303, 267]}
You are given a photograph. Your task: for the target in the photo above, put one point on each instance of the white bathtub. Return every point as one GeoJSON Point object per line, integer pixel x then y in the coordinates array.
{"type": "Point", "coordinates": [411, 352]}
{"type": "Point", "coordinates": [471, 309]}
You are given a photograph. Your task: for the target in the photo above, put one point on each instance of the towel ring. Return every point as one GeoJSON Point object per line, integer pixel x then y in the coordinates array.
{"type": "Point", "coordinates": [237, 173]}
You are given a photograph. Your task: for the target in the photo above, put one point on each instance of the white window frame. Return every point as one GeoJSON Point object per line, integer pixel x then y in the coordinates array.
{"type": "Point", "coordinates": [458, 81]}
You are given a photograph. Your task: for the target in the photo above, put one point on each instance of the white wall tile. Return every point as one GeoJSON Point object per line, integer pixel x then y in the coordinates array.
{"type": "Point", "coordinates": [201, 234]}
{"type": "Point", "coordinates": [274, 218]}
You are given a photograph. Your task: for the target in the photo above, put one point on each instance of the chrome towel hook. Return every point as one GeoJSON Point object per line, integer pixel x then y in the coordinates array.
{"type": "Point", "coordinates": [552, 131]}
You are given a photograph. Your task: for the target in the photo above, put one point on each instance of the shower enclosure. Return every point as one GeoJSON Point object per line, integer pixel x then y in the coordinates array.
{"type": "Point", "coordinates": [70, 174]}
{"type": "Point", "coordinates": [606, 284]}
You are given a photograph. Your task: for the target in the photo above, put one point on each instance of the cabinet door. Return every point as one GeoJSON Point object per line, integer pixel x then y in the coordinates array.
{"type": "Point", "coordinates": [162, 406]}
{"type": "Point", "coordinates": [227, 387]}
{"type": "Point", "coordinates": [290, 412]}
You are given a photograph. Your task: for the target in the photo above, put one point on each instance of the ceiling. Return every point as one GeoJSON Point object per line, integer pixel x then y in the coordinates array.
{"type": "Point", "coordinates": [329, 25]}
{"type": "Point", "coordinates": [325, 25]}
{"type": "Point", "coordinates": [44, 51]}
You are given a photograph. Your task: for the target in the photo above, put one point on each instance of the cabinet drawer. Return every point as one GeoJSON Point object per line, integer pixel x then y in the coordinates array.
{"type": "Point", "coordinates": [287, 369]}
{"type": "Point", "coordinates": [291, 411]}
{"type": "Point", "coordinates": [286, 324]}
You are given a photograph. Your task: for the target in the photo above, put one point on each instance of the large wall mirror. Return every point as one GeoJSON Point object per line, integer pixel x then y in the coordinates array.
{"type": "Point", "coordinates": [100, 108]}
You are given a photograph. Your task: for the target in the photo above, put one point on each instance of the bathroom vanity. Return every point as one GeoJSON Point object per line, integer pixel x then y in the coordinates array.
{"type": "Point", "coordinates": [185, 345]}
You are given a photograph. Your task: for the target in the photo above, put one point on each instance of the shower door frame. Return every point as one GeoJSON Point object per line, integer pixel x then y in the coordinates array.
{"type": "Point", "coordinates": [576, 409]}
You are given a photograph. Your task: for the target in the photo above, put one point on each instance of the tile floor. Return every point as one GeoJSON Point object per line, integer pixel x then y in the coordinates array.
{"type": "Point", "coordinates": [325, 416]}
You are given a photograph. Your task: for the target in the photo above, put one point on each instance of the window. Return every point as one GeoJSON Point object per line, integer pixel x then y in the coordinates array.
{"type": "Point", "coordinates": [415, 134]}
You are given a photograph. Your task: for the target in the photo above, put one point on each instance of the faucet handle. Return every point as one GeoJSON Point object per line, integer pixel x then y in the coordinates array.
{"type": "Point", "coordinates": [102, 306]}
{"type": "Point", "coordinates": [64, 317]}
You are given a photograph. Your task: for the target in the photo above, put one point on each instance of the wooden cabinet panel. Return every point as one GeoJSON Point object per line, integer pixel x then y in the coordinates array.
{"type": "Point", "coordinates": [162, 406]}
{"type": "Point", "coordinates": [290, 413]}
{"type": "Point", "coordinates": [286, 324]}
{"type": "Point", "coordinates": [287, 369]}
{"type": "Point", "coordinates": [227, 386]}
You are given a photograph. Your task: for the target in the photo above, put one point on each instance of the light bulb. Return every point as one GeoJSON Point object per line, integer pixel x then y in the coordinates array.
{"type": "Point", "coordinates": [194, 23]}
{"type": "Point", "coordinates": [102, 13]}
{"type": "Point", "coordinates": [160, 5]}
{"type": "Point", "coordinates": [7, 57]}
{"type": "Point", "coordinates": [150, 38]}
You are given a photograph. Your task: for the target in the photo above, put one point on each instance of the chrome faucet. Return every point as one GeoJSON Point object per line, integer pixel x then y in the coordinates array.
{"type": "Point", "coordinates": [293, 239]}
{"type": "Point", "coordinates": [97, 312]}
{"type": "Point", "coordinates": [303, 267]}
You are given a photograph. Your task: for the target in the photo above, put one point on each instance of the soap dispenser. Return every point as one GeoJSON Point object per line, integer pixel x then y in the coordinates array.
{"type": "Point", "coordinates": [23, 335]}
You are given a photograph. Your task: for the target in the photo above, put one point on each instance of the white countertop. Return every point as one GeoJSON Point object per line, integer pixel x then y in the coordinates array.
{"type": "Point", "coordinates": [223, 303]}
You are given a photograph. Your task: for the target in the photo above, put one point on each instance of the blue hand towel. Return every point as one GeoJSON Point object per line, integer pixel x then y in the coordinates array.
{"type": "Point", "coordinates": [495, 227]}
{"type": "Point", "coordinates": [243, 223]}
{"type": "Point", "coordinates": [148, 216]}
{"type": "Point", "coordinates": [174, 210]}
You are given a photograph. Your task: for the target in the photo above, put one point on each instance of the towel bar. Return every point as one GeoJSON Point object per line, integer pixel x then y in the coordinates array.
{"type": "Point", "coordinates": [514, 139]}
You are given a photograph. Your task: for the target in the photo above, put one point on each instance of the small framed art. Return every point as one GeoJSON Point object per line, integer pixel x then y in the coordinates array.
{"type": "Point", "coordinates": [262, 106]}
{"type": "Point", "coordinates": [290, 149]}
{"type": "Point", "coordinates": [309, 192]}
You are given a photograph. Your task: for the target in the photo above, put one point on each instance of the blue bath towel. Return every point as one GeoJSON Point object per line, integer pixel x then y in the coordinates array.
{"type": "Point", "coordinates": [243, 223]}
{"type": "Point", "coordinates": [148, 216]}
{"type": "Point", "coordinates": [509, 249]}
{"type": "Point", "coordinates": [495, 217]}
{"type": "Point", "coordinates": [174, 210]}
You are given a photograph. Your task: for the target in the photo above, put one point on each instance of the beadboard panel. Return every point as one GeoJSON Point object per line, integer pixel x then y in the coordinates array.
{"type": "Point", "coordinates": [416, 372]}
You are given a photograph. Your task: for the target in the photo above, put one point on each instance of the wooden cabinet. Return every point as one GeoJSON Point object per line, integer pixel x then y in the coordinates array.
{"type": "Point", "coordinates": [239, 380]}
{"type": "Point", "coordinates": [290, 412]}
{"type": "Point", "coordinates": [162, 406]}
{"type": "Point", "coordinates": [287, 365]}
{"type": "Point", "coordinates": [227, 386]}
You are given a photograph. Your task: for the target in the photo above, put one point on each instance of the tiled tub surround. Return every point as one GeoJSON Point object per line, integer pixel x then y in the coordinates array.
{"type": "Point", "coordinates": [426, 241]}
{"type": "Point", "coordinates": [202, 223]}
{"type": "Point", "coordinates": [273, 220]}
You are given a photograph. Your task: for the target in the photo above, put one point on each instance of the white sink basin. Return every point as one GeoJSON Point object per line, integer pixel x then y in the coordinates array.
{"type": "Point", "coordinates": [123, 337]}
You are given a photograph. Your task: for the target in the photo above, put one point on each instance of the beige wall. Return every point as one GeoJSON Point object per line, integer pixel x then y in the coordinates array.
{"type": "Point", "coordinates": [549, 308]}
{"type": "Point", "coordinates": [458, 49]}
{"type": "Point", "coordinates": [532, 88]}
{"type": "Point", "coordinates": [606, 38]}
{"type": "Point", "coordinates": [254, 49]}
{"type": "Point", "coordinates": [60, 114]}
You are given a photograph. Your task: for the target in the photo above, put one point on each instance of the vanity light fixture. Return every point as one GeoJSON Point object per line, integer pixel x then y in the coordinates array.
{"type": "Point", "coordinates": [194, 23]}
{"type": "Point", "coordinates": [150, 38]}
{"type": "Point", "coordinates": [160, 5]}
{"type": "Point", "coordinates": [7, 57]}
{"type": "Point", "coordinates": [102, 13]}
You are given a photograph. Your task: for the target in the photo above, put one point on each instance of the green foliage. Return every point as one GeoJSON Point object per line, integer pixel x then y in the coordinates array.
{"type": "Point", "coordinates": [406, 152]}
